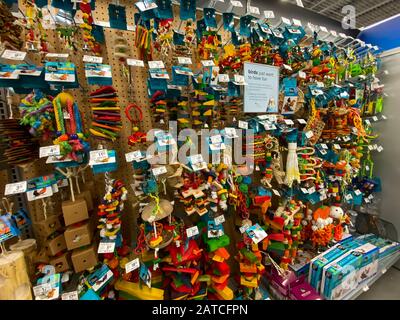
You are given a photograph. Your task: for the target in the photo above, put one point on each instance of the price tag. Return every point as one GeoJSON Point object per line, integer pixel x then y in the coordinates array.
{"type": "Point", "coordinates": [289, 122]}
{"type": "Point", "coordinates": [380, 149]}
{"type": "Point", "coordinates": [357, 192]}
{"type": "Point", "coordinates": [66, 115]}
{"type": "Point", "coordinates": [135, 62]}
{"type": "Point", "coordinates": [191, 232]}
{"type": "Point", "coordinates": [375, 118]}
{"type": "Point", "coordinates": [302, 121]}
{"type": "Point", "coordinates": [286, 21]}
{"type": "Point", "coordinates": [311, 190]}
{"type": "Point", "coordinates": [309, 134]}
{"type": "Point", "coordinates": [73, 295]}
{"type": "Point", "coordinates": [244, 228]}
{"type": "Point", "coordinates": [207, 63]}
{"type": "Point", "coordinates": [323, 152]}
{"type": "Point", "coordinates": [13, 55]}
{"type": "Point", "coordinates": [239, 79]}
{"type": "Point", "coordinates": [237, 4]}
{"type": "Point", "coordinates": [132, 265]}
{"type": "Point", "coordinates": [184, 60]}
{"type": "Point", "coordinates": [173, 87]}
{"type": "Point", "coordinates": [197, 158]}
{"type": "Point", "coordinates": [258, 168]}
{"type": "Point", "coordinates": [370, 197]}
{"type": "Point", "coordinates": [220, 219]}
{"type": "Point", "coordinates": [156, 65]}
{"type": "Point", "coordinates": [268, 14]}
{"type": "Point", "coordinates": [216, 139]}
{"type": "Point", "coordinates": [336, 146]}
{"type": "Point", "coordinates": [254, 10]}
{"type": "Point", "coordinates": [287, 67]}
{"type": "Point", "coordinates": [367, 200]}
{"type": "Point", "coordinates": [42, 289]}
{"type": "Point", "coordinates": [130, 27]}
{"type": "Point", "coordinates": [98, 155]}
{"type": "Point", "coordinates": [231, 133]}
{"type": "Point", "coordinates": [105, 24]}
{"type": "Point", "coordinates": [384, 117]}
{"type": "Point", "coordinates": [133, 156]}
{"type": "Point", "coordinates": [146, 5]}
{"type": "Point", "coordinates": [223, 78]}
{"type": "Point", "coordinates": [370, 148]}
{"type": "Point", "coordinates": [276, 192]}
{"type": "Point", "coordinates": [322, 197]}
{"type": "Point", "coordinates": [320, 84]}
{"type": "Point", "coordinates": [57, 55]}
{"type": "Point", "coordinates": [92, 59]}
{"type": "Point", "coordinates": [348, 196]}
{"type": "Point", "coordinates": [243, 124]}
{"type": "Point", "coordinates": [302, 75]}
{"type": "Point", "coordinates": [366, 288]}
{"type": "Point", "coordinates": [159, 170]}
{"type": "Point", "coordinates": [49, 151]}
{"type": "Point", "coordinates": [106, 247]}
{"type": "Point", "coordinates": [297, 22]}
{"type": "Point", "coordinates": [323, 29]}
{"type": "Point", "coordinates": [304, 190]}
{"type": "Point", "coordinates": [324, 146]}
{"type": "Point", "coordinates": [346, 138]}
{"type": "Point", "coordinates": [367, 168]}
{"type": "Point", "coordinates": [15, 188]}
{"type": "Point", "coordinates": [367, 122]}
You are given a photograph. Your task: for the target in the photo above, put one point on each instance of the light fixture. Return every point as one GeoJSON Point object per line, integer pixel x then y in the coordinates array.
{"type": "Point", "coordinates": [379, 22]}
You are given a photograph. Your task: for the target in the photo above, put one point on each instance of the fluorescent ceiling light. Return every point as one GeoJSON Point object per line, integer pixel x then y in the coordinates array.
{"type": "Point", "coordinates": [379, 22]}
{"type": "Point", "coordinates": [300, 3]}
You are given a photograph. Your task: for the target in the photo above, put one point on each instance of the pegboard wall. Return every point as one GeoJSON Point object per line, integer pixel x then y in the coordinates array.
{"type": "Point", "coordinates": [133, 91]}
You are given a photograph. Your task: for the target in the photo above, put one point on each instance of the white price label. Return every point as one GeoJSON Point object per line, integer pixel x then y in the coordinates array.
{"type": "Point", "coordinates": [223, 78]}
{"type": "Point", "coordinates": [92, 59]}
{"type": "Point", "coordinates": [184, 60]}
{"type": "Point", "coordinates": [254, 10]}
{"type": "Point", "coordinates": [57, 55]}
{"type": "Point", "coordinates": [135, 62]}
{"type": "Point", "coordinates": [375, 118]}
{"type": "Point", "coordinates": [287, 67]}
{"type": "Point", "coordinates": [311, 190]}
{"type": "Point", "coordinates": [336, 146]}
{"type": "Point", "coordinates": [159, 170]}
{"type": "Point", "coordinates": [146, 5]}
{"type": "Point", "coordinates": [346, 138]}
{"type": "Point", "coordinates": [49, 151]}
{"type": "Point", "coordinates": [132, 265]}
{"type": "Point", "coordinates": [106, 247]}
{"type": "Point", "coordinates": [320, 84]}
{"type": "Point", "coordinates": [384, 117]}
{"type": "Point", "coordinates": [286, 21]}
{"type": "Point", "coordinates": [243, 124]}
{"type": "Point", "coordinates": [357, 192]}
{"type": "Point", "coordinates": [239, 79]}
{"type": "Point", "coordinates": [173, 87]}
{"type": "Point", "coordinates": [370, 197]}
{"type": "Point", "coordinates": [105, 24]}
{"type": "Point", "coordinates": [244, 228]}
{"type": "Point", "coordinates": [14, 188]}
{"type": "Point", "coordinates": [324, 146]}
{"type": "Point", "coordinates": [309, 134]}
{"type": "Point", "coordinates": [367, 122]}
{"type": "Point", "coordinates": [41, 289]}
{"type": "Point", "coordinates": [220, 219]}
{"type": "Point", "coordinates": [216, 139]}
{"type": "Point", "coordinates": [276, 192]}
{"type": "Point", "coordinates": [297, 22]}
{"type": "Point", "coordinates": [380, 149]}
{"type": "Point", "coordinates": [367, 200]}
{"type": "Point", "coordinates": [207, 63]}
{"type": "Point", "coordinates": [289, 122]}
{"type": "Point", "coordinates": [134, 155]}
{"type": "Point", "coordinates": [322, 197]}
{"type": "Point", "coordinates": [156, 64]}
{"type": "Point", "coordinates": [191, 232]}
{"type": "Point", "coordinates": [98, 155]}
{"type": "Point", "coordinates": [131, 27]}
{"type": "Point", "coordinates": [268, 14]}
{"type": "Point", "coordinates": [302, 75]}
{"type": "Point", "coordinates": [370, 147]}
{"type": "Point", "coordinates": [231, 132]}
{"type": "Point", "coordinates": [197, 158]}
{"type": "Point", "coordinates": [66, 115]}
{"type": "Point", "coordinates": [323, 152]}
{"type": "Point", "coordinates": [302, 121]}
{"type": "Point", "coordinates": [304, 190]}
{"type": "Point", "coordinates": [237, 4]}
{"type": "Point", "coordinates": [73, 295]}
{"type": "Point", "coordinates": [323, 29]}
{"type": "Point", "coordinates": [348, 196]}
{"type": "Point", "coordinates": [13, 55]}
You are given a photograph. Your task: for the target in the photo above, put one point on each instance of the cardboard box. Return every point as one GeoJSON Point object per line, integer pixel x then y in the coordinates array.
{"type": "Point", "coordinates": [75, 212]}
{"type": "Point", "coordinates": [61, 263]}
{"type": "Point", "coordinates": [87, 195]}
{"type": "Point", "coordinates": [55, 245]}
{"type": "Point", "coordinates": [45, 228]}
{"type": "Point", "coordinates": [84, 258]}
{"type": "Point", "coordinates": [79, 236]}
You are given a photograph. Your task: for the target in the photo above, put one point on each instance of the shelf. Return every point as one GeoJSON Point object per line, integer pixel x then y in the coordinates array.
{"type": "Point", "coordinates": [383, 266]}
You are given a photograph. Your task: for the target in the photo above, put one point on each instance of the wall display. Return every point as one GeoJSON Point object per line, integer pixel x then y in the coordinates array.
{"type": "Point", "coordinates": [235, 171]}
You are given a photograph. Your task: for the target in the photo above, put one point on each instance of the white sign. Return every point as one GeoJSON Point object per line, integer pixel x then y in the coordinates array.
{"type": "Point", "coordinates": [237, 4]}
{"type": "Point", "coordinates": [368, 122]}
{"type": "Point", "coordinates": [302, 121]}
{"type": "Point", "coordinates": [375, 118]}
{"type": "Point", "coordinates": [276, 192]}
{"type": "Point", "coordinates": [323, 29]}
{"type": "Point", "coordinates": [268, 14]}
{"type": "Point", "coordinates": [13, 55]}
{"type": "Point", "coordinates": [244, 228]}
{"type": "Point", "coordinates": [57, 55]}
{"type": "Point", "coordinates": [304, 190]}
{"type": "Point", "coordinates": [302, 75]}
{"type": "Point", "coordinates": [216, 139]}
{"type": "Point", "coordinates": [98, 155]}
{"type": "Point", "coordinates": [191, 232]}
{"type": "Point", "coordinates": [106, 247]}
{"type": "Point", "coordinates": [184, 60]}
{"type": "Point", "coordinates": [49, 151]}
{"type": "Point", "coordinates": [311, 190]}
{"type": "Point", "coordinates": [297, 22]}
{"type": "Point", "coordinates": [231, 133]}
{"type": "Point", "coordinates": [243, 124]}
{"type": "Point", "coordinates": [133, 156]}
{"type": "Point", "coordinates": [73, 295]}
{"type": "Point", "coordinates": [286, 21]}
{"type": "Point", "coordinates": [262, 91]}
{"type": "Point", "coordinates": [132, 265]}
{"type": "Point", "coordinates": [92, 59]}
{"type": "Point", "coordinates": [357, 192]}
{"type": "Point", "coordinates": [223, 78]}
{"type": "Point", "coordinates": [145, 5]}
{"type": "Point", "coordinates": [42, 289]}
{"type": "Point", "coordinates": [135, 62]}
{"type": "Point", "coordinates": [289, 122]}
{"type": "Point", "coordinates": [348, 196]}
{"type": "Point", "coordinates": [105, 24]}
{"type": "Point", "coordinates": [220, 219]}
{"type": "Point", "coordinates": [159, 170]}
{"type": "Point", "coordinates": [309, 134]}
{"type": "Point", "coordinates": [14, 188]}
{"type": "Point", "coordinates": [156, 65]}
{"type": "Point", "coordinates": [324, 146]}
{"type": "Point", "coordinates": [336, 146]}
{"type": "Point", "coordinates": [207, 63]}
{"type": "Point", "coordinates": [239, 80]}
{"type": "Point", "coordinates": [254, 10]}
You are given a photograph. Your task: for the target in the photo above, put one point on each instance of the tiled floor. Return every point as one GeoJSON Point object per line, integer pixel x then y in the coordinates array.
{"type": "Point", "coordinates": [386, 287]}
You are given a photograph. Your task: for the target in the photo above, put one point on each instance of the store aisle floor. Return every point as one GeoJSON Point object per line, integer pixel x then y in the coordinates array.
{"type": "Point", "coordinates": [385, 288]}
